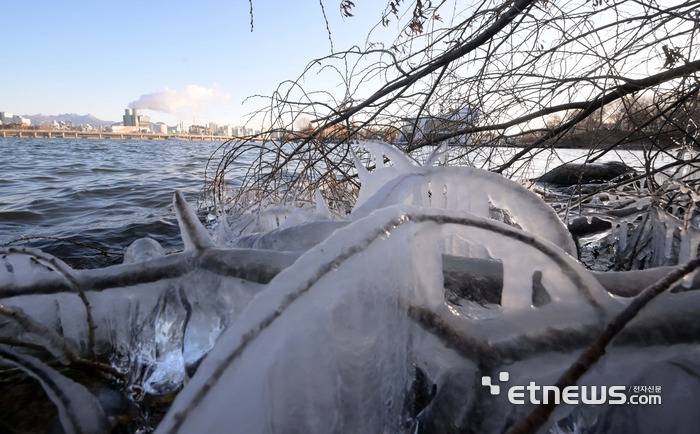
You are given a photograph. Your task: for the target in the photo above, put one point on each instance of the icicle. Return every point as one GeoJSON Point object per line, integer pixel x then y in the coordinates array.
{"type": "Point", "coordinates": [668, 242]}
{"type": "Point", "coordinates": [400, 160]}
{"type": "Point", "coordinates": [362, 173]}
{"type": "Point", "coordinates": [194, 234]}
{"type": "Point", "coordinates": [222, 231]}
{"type": "Point", "coordinates": [322, 210]}
{"type": "Point", "coordinates": [622, 235]}
{"type": "Point", "coordinates": [690, 238]}
{"type": "Point", "coordinates": [657, 224]}
{"type": "Point", "coordinates": [438, 153]}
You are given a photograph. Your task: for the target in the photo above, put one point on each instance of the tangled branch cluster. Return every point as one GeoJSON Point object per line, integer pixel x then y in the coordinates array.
{"type": "Point", "coordinates": [498, 81]}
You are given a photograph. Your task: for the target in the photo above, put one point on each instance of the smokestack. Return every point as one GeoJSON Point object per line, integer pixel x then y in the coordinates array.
{"type": "Point", "coordinates": [127, 117]}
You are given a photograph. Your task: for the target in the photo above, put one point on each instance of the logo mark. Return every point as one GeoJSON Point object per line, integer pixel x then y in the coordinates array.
{"type": "Point", "coordinates": [495, 389]}
{"type": "Point", "coordinates": [534, 393]}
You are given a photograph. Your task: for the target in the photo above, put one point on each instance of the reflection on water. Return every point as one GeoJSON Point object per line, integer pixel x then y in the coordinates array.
{"type": "Point", "coordinates": [107, 193]}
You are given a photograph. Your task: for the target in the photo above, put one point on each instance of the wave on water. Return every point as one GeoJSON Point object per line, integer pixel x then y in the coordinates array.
{"type": "Point", "coordinates": [85, 201]}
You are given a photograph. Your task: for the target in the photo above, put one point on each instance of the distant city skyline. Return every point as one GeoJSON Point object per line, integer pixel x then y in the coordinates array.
{"type": "Point", "coordinates": [96, 58]}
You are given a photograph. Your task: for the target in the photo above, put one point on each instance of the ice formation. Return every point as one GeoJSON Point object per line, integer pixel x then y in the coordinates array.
{"type": "Point", "coordinates": [271, 217]}
{"type": "Point", "coordinates": [328, 345]}
{"type": "Point", "coordinates": [380, 321]}
{"type": "Point", "coordinates": [154, 319]}
{"type": "Point", "coordinates": [463, 189]}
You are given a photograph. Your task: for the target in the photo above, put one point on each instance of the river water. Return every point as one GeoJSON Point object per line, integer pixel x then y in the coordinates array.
{"type": "Point", "coordinates": [96, 194]}
{"type": "Point", "coordinates": [91, 198]}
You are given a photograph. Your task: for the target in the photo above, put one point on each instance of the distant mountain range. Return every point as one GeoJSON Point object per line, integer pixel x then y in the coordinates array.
{"type": "Point", "coordinates": [73, 118]}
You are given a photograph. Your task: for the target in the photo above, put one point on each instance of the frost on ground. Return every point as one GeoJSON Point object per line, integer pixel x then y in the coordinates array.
{"type": "Point", "coordinates": [383, 320]}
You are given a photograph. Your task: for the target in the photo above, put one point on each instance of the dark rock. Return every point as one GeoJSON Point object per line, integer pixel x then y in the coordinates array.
{"type": "Point", "coordinates": [582, 226]}
{"type": "Point", "coordinates": [590, 173]}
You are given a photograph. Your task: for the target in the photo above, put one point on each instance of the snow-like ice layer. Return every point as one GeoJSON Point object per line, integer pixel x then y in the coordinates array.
{"type": "Point", "coordinates": [328, 347]}
{"type": "Point", "coordinates": [464, 189]}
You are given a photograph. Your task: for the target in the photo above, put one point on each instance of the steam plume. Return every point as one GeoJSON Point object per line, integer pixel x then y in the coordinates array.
{"type": "Point", "coordinates": [191, 99]}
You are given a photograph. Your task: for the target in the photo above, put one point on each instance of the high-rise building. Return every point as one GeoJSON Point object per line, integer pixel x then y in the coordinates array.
{"type": "Point", "coordinates": [132, 118]}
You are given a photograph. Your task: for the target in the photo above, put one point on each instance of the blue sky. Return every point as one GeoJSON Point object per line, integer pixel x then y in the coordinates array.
{"type": "Point", "coordinates": [87, 56]}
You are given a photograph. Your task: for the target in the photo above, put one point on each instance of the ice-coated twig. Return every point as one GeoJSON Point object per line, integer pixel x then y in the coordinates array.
{"type": "Point", "coordinates": [194, 234]}
{"type": "Point", "coordinates": [78, 410]}
{"type": "Point", "coordinates": [468, 347]}
{"type": "Point", "coordinates": [485, 188]}
{"type": "Point", "coordinates": [664, 328]}
{"type": "Point", "coordinates": [12, 342]}
{"type": "Point", "coordinates": [400, 159]}
{"type": "Point", "coordinates": [540, 414]}
{"type": "Point", "coordinates": [255, 265]}
{"type": "Point", "coordinates": [631, 283]}
{"type": "Point", "coordinates": [102, 368]}
{"type": "Point", "coordinates": [67, 273]}
{"type": "Point", "coordinates": [57, 345]}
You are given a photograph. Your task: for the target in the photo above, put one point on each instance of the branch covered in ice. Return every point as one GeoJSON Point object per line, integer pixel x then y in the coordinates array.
{"type": "Point", "coordinates": [67, 274]}
{"type": "Point", "coordinates": [78, 410]}
{"type": "Point", "coordinates": [593, 353]}
{"type": "Point", "coordinates": [194, 234]}
{"type": "Point", "coordinates": [250, 264]}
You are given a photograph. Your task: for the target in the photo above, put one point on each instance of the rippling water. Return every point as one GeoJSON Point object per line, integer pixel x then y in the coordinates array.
{"type": "Point", "coordinates": [96, 193]}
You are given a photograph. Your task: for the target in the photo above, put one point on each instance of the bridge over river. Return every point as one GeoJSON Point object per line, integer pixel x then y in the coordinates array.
{"type": "Point", "coordinates": [70, 134]}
